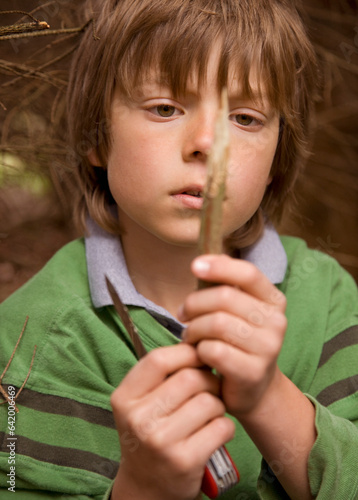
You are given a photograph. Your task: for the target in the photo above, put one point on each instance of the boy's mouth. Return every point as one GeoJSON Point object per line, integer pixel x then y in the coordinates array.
{"type": "Point", "coordinates": [194, 189]}
{"type": "Point", "coordinates": [190, 197]}
{"type": "Point", "coordinates": [197, 194]}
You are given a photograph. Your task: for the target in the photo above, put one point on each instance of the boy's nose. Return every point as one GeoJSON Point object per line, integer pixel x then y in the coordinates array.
{"type": "Point", "coordinates": [199, 136]}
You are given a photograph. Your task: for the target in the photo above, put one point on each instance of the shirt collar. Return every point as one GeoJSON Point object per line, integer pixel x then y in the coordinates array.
{"type": "Point", "coordinates": [105, 258]}
{"type": "Point", "coordinates": [268, 255]}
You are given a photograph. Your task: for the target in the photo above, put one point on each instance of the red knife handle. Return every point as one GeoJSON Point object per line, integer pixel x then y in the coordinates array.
{"type": "Point", "coordinates": [220, 474]}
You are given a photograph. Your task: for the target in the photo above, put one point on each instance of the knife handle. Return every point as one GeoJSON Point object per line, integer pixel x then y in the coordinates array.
{"type": "Point", "coordinates": [220, 474]}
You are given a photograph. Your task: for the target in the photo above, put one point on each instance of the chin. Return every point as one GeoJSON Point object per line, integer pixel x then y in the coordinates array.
{"type": "Point", "coordinates": [184, 242]}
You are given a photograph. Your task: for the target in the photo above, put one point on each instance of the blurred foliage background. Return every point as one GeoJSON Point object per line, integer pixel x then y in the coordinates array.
{"type": "Point", "coordinates": [35, 215]}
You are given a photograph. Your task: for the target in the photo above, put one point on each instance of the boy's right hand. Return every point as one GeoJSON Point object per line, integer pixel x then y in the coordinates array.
{"type": "Point", "coordinates": [170, 420]}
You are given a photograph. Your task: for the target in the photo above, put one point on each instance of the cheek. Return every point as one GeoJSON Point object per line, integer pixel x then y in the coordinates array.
{"type": "Point", "coordinates": [251, 171]}
{"type": "Point", "coordinates": [121, 178]}
{"type": "Point", "coordinates": [130, 173]}
{"type": "Point", "coordinates": [254, 156]}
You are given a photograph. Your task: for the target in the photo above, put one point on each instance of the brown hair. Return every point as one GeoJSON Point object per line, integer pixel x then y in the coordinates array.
{"type": "Point", "coordinates": [133, 36]}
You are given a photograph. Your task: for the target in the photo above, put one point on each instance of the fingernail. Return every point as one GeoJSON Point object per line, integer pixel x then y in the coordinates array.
{"type": "Point", "coordinates": [201, 266]}
{"type": "Point", "coordinates": [183, 334]}
{"type": "Point", "coordinates": [180, 313]}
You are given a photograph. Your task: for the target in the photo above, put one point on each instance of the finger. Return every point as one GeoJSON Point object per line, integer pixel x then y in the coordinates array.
{"type": "Point", "coordinates": [155, 367]}
{"type": "Point", "coordinates": [228, 361]}
{"type": "Point", "coordinates": [231, 300]}
{"type": "Point", "coordinates": [245, 377]}
{"type": "Point", "coordinates": [226, 328]}
{"type": "Point", "coordinates": [177, 389]}
{"type": "Point", "coordinates": [236, 333]}
{"type": "Point", "coordinates": [236, 272]}
{"type": "Point", "coordinates": [188, 419]}
{"type": "Point", "coordinates": [202, 444]}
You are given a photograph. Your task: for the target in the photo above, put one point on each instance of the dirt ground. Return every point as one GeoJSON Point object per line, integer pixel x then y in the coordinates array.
{"type": "Point", "coordinates": [32, 229]}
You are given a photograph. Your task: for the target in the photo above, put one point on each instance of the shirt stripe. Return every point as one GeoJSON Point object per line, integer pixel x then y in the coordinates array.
{"type": "Point", "coordinates": [338, 391]}
{"type": "Point", "coordinates": [59, 405]}
{"type": "Point", "coordinates": [57, 455]}
{"type": "Point", "coordinates": [344, 339]}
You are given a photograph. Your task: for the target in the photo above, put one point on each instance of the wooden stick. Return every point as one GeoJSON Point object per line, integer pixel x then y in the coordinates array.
{"type": "Point", "coordinates": [7, 31]}
{"type": "Point", "coordinates": [2, 390]}
{"type": "Point", "coordinates": [41, 32]}
{"type": "Point", "coordinates": [15, 349]}
{"type": "Point", "coordinates": [36, 25]}
{"type": "Point", "coordinates": [211, 236]}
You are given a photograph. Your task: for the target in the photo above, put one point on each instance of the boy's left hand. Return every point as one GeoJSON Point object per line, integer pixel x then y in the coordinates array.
{"type": "Point", "coordinates": [238, 327]}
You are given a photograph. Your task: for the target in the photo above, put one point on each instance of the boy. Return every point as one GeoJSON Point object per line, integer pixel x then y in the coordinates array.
{"type": "Point", "coordinates": [143, 99]}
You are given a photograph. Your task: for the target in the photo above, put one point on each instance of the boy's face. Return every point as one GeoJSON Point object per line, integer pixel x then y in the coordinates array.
{"type": "Point", "coordinates": [157, 163]}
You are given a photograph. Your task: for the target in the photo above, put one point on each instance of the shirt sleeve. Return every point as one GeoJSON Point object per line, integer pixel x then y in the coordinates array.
{"type": "Point", "coordinates": [333, 466]}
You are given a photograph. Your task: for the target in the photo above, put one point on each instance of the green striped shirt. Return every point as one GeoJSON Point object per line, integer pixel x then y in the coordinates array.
{"type": "Point", "coordinates": [64, 440]}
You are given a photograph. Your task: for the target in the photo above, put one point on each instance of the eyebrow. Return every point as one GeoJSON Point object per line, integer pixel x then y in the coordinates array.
{"type": "Point", "coordinates": [236, 94]}
{"type": "Point", "coordinates": [255, 98]}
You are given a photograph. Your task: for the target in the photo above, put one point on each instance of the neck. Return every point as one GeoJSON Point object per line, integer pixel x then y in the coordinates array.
{"type": "Point", "coordinates": [160, 271]}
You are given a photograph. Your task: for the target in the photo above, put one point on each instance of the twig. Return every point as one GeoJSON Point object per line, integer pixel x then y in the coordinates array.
{"type": "Point", "coordinates": [62, 31]}
{"type": "Point", "coordinates": [40, 7]}
{"type": "Point", "coordinates": [210, 240]}
{"type": "Point", "coordinates": [211, 236]}
{"type": "Point", "coordinates": [28, 14]}
{"type": "Point", "coordinates": [36, 25]}
{"type": "Point", "coordinates": [40, 68]}
{"type": "Point", "coordinates": [7, 32]}
{"type": "Point", "coordinates": [28, 374]}
{"type": "Point", "coordinates": [27, 72]}
{"type": "Point", "coordinates": [2, 390]}
{"type": "Point", "coordinates": [211, 233]}
{"type": "Point", "coordinates": [15, 349]}
{"type": "Point", "coordinates": [6, 396]}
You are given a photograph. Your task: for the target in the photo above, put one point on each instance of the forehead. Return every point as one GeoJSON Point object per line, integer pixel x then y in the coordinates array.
{"type": "Point", "coordinates": [177, 39]}
{"type": "Point", "coordinates": [153, 80]}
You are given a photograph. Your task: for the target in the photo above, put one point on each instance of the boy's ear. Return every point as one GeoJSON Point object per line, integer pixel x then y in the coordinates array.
{"type": "Point", "coordinates": [93, 158]}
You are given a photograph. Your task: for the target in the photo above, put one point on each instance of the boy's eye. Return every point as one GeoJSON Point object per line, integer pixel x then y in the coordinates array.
{"type": "Point", "coordinates": [247, 121]}
{"type": "Point", "coordinates": [165, 110]}
{"type": "Point", "coordinates": [244, 119]}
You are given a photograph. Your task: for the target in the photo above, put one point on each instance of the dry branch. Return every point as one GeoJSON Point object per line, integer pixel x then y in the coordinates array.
{"type": "Point", "coordinates": [15, 31]}
{"type": "Point", "coordinates": [27, 72]}
{"type": "Point", "coordinates": [211, 236]}
{"type": "Point", "coordinates": [21, 28]}
{"type": "Point", "coordinates": [64, 31]}
{"type": "Point", "coordinates": [211, 239]}
{"type": "Point", "coordinates": [2, 390]}
{"type": "Point", "coordinates": [32, 72]}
